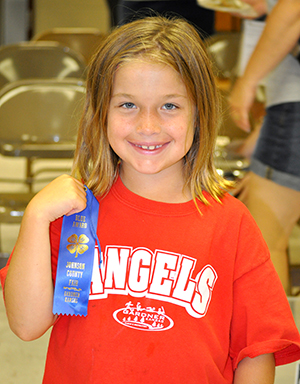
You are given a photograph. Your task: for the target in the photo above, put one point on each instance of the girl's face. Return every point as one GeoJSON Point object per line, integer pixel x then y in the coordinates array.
{"type": "Point", "coordinates": [150, 119]}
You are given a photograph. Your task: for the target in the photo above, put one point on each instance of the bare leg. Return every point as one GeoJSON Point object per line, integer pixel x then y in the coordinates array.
{"type": "Point", "coordinates": [276, 210]}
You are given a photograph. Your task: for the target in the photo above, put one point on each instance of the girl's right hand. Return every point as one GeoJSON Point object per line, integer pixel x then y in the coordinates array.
{"type": "Point", "coordinates": [65, 195]}
{"type": "Point", "coordinates": [29, 284]}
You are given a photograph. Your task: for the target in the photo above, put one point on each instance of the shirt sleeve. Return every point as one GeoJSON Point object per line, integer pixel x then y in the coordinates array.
{"type": "Point", "coordinates": [262, 321]}
{"type": "Point", "coordinates": [3, 273]}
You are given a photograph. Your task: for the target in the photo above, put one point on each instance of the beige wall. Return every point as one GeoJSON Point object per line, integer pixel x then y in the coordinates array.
{"type": "Point", "coordinates": [71, 13]}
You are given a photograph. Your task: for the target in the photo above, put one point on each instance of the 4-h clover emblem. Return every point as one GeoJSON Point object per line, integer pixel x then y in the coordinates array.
{"type": "Point", "coordinates": [78, 245]}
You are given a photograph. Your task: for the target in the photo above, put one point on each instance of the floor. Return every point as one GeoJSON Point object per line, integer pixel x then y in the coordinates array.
{"type": "Point", "coordinates": [23, 362]}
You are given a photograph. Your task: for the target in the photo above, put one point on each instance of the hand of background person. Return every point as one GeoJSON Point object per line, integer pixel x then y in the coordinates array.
{"type": "Point", "coordinates": [245, 147]}
{"type": "Point", "coordinates": [259, 7]}
{"type": "Point", "coordinates": [240, 102]}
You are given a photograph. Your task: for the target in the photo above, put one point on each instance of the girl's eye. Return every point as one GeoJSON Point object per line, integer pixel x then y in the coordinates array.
{"type": "Point", "coordinates": [169, 106]}
{"type": "Point", "coordinates": [128, 105]}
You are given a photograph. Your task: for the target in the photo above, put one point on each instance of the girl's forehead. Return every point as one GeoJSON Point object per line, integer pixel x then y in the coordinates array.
{"type": "Point", "coordinates": [128, 69]}
{"type": "Point", "coordinates": [148, 70]}
{"type": "Point", "coordinates": [145, 63]}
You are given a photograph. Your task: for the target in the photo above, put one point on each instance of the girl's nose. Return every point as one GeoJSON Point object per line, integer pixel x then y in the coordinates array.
{"type": "Point", "coordinates": [148, 123]}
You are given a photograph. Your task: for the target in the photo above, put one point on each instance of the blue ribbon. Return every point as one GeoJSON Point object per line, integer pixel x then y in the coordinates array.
{"type": "Point", "coordinates": [75, 259]}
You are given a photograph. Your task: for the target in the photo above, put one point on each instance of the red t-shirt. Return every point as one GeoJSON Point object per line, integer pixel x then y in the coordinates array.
{"type": "Point", "coordinates": [180, 297]}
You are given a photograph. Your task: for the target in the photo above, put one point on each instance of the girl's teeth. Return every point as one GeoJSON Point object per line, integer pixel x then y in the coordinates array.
{"type": "Point", "coordinates": [150, 147]}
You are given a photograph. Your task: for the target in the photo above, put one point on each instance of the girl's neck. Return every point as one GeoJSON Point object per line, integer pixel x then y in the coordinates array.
{"type": "Point", "coordinates": [157, 187]}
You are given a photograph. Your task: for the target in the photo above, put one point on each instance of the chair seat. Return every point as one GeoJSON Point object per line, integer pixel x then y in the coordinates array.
{"type": "Point", "coordinates": [63, 150]}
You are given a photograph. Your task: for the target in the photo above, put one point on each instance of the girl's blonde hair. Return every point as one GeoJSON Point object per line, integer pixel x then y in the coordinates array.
{"type": "Point", "coordinates": [171, 41]}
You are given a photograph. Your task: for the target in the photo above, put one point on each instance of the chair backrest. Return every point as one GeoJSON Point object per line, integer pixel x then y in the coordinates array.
{"type": "Point", "coordinates": [223, 49]}
{"type": "Point", "coordinates": [83, 40]}
{"type": "Point", "coordinates": [40, 117]}
{"type": "Point", "coordinates": [28, 60]}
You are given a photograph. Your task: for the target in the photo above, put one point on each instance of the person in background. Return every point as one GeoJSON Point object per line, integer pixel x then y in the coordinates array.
{"type": "Point", "coordinates": [272, 189]}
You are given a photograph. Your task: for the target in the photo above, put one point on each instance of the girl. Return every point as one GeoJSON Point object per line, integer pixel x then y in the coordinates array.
{"type": "Point", "coordinates": [185, 291]}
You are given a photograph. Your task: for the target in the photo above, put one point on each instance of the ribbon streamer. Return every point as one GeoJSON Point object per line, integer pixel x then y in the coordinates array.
{"type": "Point", "coordinates": [75, 259]}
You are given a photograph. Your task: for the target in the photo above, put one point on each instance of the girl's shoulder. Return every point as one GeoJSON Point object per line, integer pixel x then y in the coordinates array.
{"type": "Point", "coordinates": [228, 203]}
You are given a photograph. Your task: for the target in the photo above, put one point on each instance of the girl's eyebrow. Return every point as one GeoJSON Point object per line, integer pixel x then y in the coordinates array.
{"type": "Point", "coordinates": [174, 96]}
{"type": "Point", "coordinates": [170, 96]}
{"type": "Point", "coordinates": [126, 95]}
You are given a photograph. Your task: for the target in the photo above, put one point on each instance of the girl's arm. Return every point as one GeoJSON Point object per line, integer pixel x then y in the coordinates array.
{"type": "Point", "coordinates": [29, 287]}
{"type": "Point", "coordinates": [279, 37]}
{"type": "Point", "coordinates": [259, 370]}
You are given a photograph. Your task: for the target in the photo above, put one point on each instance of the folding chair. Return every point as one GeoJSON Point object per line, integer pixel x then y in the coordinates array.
{"type": "Point", "coordinates": [223, 48]}
{"type": "Point", "coordinates": [43, 60]}
{"type": "Point", "coordinates": [38, 120]}
{"type": "Point", "coordinates": [12, 207]}
{"type": "Point", "coordinates": [83, 40]}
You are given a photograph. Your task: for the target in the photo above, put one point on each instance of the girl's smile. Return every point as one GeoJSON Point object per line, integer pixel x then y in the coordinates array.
{"type": "Point", "coordinates": [150, 120]}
